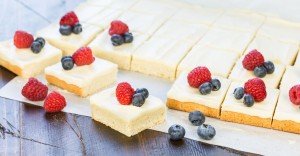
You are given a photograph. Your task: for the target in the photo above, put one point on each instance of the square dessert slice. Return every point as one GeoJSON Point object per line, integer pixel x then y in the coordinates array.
{"type": "Point", "coordinates": [286, 117]}
{"type": "Point", "coordinates": [274, 50]}
{"type": "Point", "coordinates": [183, 97]}
{"type": "Point", "coordinates": [159, 57]}
{"type": "Point", "coordinates": [172, 29]}
{"type": "Point", "coordinates": [102, 47]}
{"type": "Point", "coordinates": [104, 18]}
{"type": "Point", "coordinates": [114, 4]}
{"type": "Point", "coordinates": [126, 119]}
{"type": "Point", "coordinates": [225, 39]}
{"type": "Point", "coordinates": [69, 44]}
{"type": "Point", "coordinates": [260, 114]}
{"type": "Point", "coordinates": [85, 11]}
{"type": "Point", "coordinates": [209, 57]}
{"type": "Point", "coordinates": [83, 80]}
{"type": "Point", "coordinates": [24, 62]}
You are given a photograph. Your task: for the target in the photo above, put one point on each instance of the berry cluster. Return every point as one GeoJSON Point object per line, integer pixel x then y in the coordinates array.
{"type": "Point", "coordinates": [126, 95]}
{"type": "Point", "coordinates": [119, 32]}
{"type": "Point", "coordinates": [83, 56]}
{"type": "Point", "coordinates": [254, 91]}
{"type": "Point", "coordinates": [69, 23]}
{"type": "Point", "coordinates": [200, 77]}
{"type": "Point", "coordinates": [294, 95]}
{"type": "Point", "coordinates": [23, 39]}
{"type": "Point", "coordinates": [255, 61]}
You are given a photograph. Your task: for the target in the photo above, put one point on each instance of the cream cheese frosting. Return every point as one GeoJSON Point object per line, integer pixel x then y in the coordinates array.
{"type": "Point", "coordinates": [181, 91]}
{"type": "Point", "coordinates": [264, 109]}
{"type": "Point", "coordinates": [104, 18]}
{"type": "Point", "coordinates": [85, 11]}
{"type": "Point", "coordinates": [290, 78]}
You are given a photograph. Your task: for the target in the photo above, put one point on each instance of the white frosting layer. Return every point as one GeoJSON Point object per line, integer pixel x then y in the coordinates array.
{"type": "Point", "coordinates": [211, 58]}
{"type": "Point", "coordinates": [290, 78]}
{"type": "Point", "coordinates": [174, 29]}
{"type": "Point", "coordinates": [274, 50]}
{"type": "Point", "coordinates": [264, 109]}
{"type": "Point", "coordinates": [181, 91]}
{"type": "Point", "coordinates": [239, 73]}
{"type": "Point", "coordinates": [82, 76]}
{"type": "Point", "coordinates": [86, 11]}
{"type": "Point", "coordinates": [69, 44]}
{"type": "Point", "coordinates": [104, 18]}
{"type": "Point", "coordinates": [225, 39]}
{"type": "Point", "coordinates": [114, 4]}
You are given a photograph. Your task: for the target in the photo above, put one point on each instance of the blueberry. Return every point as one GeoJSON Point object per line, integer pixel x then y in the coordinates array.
{"type": "Point", "coordinates": [117, 40]}
{"type": "Point", "coordinates": [67, 62]}
{"type": "Point", "coordinates": [36, 47]}
{"type": "Point", "coordinates": [216, 84]}
{"type": "Point", "coordinates": [176, 132]}
{"type": "Point", "coordinates": [205, 88]}
{"type": "Point", "coordinates": [128, 37]}
{"type": "Point", "coordinates": [138, 99]}
{"type": "Point", "coordinates": [65, 30]}
{"type": "Point", "coordinates": [270, 67]}
{"type": "Point", "coordinates": [197, 118]}
{"type": "Point", "coordinates": [206, 132]}
{"type": "Point", "coordinates": [144, 91]}
{"type": "Point", "coordinates": [260, 71]}
{"type": "Point", "coordinates": [41, 40]}
{"type": "Point", "coordinates": [248, 100]}
{"type": "Point", "coordinates": [239, 93]}
{"type": "Point", "coordinates": [77, 28]}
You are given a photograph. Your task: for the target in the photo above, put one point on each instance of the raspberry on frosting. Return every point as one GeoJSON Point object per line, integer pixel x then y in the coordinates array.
{"type": "Point", "coordinates": [257, 88]}
{"type": "Point", "coordinates": [294, 94]}
{"type": "Point", "coordinates": [198, 76]}
{"type": "Point", "coordinates": [83, 56]}
{"type": "Point", "coordinates": [23, 39]}
{"type": "Point", "coordinates": [253, 59]}
{"type": "Point", "coordinates": [124, 93]}
{"type": "Point", "coordinates": [118, 27]}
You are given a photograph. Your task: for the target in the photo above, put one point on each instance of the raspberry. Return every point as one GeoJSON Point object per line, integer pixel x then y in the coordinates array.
{"type": "Point", "coordinates": [118, 27]}
{"type": "Point", "coordinates": [253, 59]}
{"type": "Point", "coordinates": [34, 90]}
{"type": "Point", "coordinates": [54, 102]}
{"type": "Point", "coordinates": [124, 93]}
{"type": "Point", "coordinates": [198, 76]}
{"type": "Point", "coordinates": [294, 94]}
{"type": "Point", "coordinates": [69, 18]}
{"type": "Point", "coordinates": [23, 39]}
{"type": "Point", "coordinates": [257, 88]}
{"type": "Point", "coordinates": [83, 56]}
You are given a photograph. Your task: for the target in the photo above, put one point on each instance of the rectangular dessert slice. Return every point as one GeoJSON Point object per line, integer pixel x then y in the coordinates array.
{"type": "Point", "coordinates": [260, 114]}
{"type": "Point", "coordinates": [209, 57]}
{"type": "Point", "coordinates": [185, 98]}
{"type": "Point", "coordinates": [83, 80]}
{"type": "Point", "coordinates": [102, 47]}
{"type": "Point", "coordinates": [126, 119]}
{"type": "Point", "coordinates": [159, 57]}
{"type": "Point", "coordinates": [24, 62]}
{"type": "Point", "coordinates": [104, 18]}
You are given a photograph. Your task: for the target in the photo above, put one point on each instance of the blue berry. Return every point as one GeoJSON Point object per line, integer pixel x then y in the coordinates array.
{"type": "Point", "coordinates": [138, 99]}
{"type": "Point", "coordinates": [67, 62]}
{"type": "Point", "coordinates": [117, 40]}
{"type": "Point", "coordinates": [197, 118]}
{"type": "Point", "coordinates": [65, 30]}
{"type": "Point", "coordinates": [239, 93]}
{"type": "Point", "coordinates": [128, 37]}
{"type": "Point", "coordinates": [176, 132]}
{"type": "Point", "coordinates": [260, 71]}
{"type": "Point", "coordinates": [270, 67]}
{"type": "Point", "coordinates": [216, 84]}
{"type": "Point", "coordinates": [248, 100]}
{"type": "Point", "coordinates": [205, 88]}
{"type": "Point", "coordinates": [41, 41]}
{"type": "Point", "coordinates": [36, 47]}
{"type": "Point", "coordinates": [77, 28]}
{"type": "Point", "coordinates": [144, 91]}
{"type": "Point", "coordinates": [206, 132]}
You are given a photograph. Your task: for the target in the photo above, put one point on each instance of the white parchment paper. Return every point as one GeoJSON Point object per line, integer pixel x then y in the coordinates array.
{"type": "Point", "coordinates": [241, 137]}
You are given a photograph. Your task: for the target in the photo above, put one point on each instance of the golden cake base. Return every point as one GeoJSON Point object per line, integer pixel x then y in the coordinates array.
{"type": "Point", "coordinates": [286, 125]}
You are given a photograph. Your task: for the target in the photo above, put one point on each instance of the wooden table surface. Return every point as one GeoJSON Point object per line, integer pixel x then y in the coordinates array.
{"type": "Point", "coordinates": [27, 130]}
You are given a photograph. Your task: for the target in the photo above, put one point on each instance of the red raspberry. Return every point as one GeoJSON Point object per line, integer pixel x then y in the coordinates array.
{"type": "Point", "coordinates": [253, 59]}
{"type": "Point", "coordinates": [69, 18]}
{"type": "Point", "coordinates": [34, 90]}
{"type": "Point", "coordinates": [54, 102]}
{"type": "Point", "coordinates": [83, 56]}
{"type": "Point", "coordinates": [257, 88]}
{"type": "Point", "coordinates": [124, 93]}
{"type": "Point", "coordinates": [294, 94]}
{"type": "Point", "coordinates": [198, 76]}
{"type": "Point", "coordinates": [118, 27]}
{"type": "Point", "coordinates": [23, 39]}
